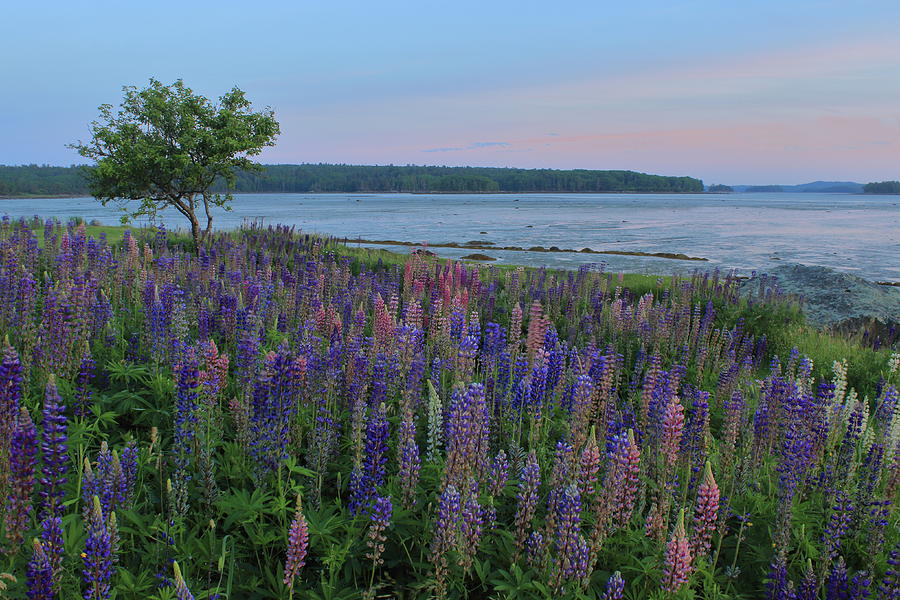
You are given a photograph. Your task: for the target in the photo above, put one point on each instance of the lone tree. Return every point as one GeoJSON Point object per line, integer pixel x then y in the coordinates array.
{"type": "Point", "coordinates": [168, 147]}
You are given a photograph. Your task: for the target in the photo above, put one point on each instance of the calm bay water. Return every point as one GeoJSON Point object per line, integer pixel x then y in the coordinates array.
{"type": "Point", "coordinates": [859, 234]}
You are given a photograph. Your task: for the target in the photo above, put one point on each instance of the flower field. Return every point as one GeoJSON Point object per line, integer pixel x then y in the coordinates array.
{"type": "Point", "coordinates": [278, 417]}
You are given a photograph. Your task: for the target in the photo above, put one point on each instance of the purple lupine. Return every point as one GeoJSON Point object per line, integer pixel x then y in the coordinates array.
{"type": "Point", "coordinates": [409, 459]}
{"type": "Point", "coordinates": [23, 458]}
{"type": "Point", "coordinates": [466, 435]}
{"type": "Point", "coordinates": [10, 397]}
{"type": "Point", "coordinates": [99, 553]}
{"type": "Point", "coordinates": [571, 549]}
{"type": "Point", "coordinates": [365, 480]}
{"type": "Point", "coordinates": [274, 402]}
{"type": "Point", "coordinates": [626, 483]}
{"type": "Point", "coordinates": [836, 584]}
{"type": "Point", "coordinates": [809, 584]}
{"type": "Point", "coordinates": [379, 521]}
{"type": "Point", "coordinates": [446, 527]}
{"type": "Point", "coordinates": [185, 418]}
{"type": "Point", "coordinates": [39, 574]}
{"type": "Point", "coordinates": [889, 587]}
{"type": "Point", "coordinates": [615, 587]}
{"type": "Point", "coordinates": [52, 542]}
{"type": "Point", "coordinates": [471, 526]}
{"type": "Point", "coordinates": [498, 474]}
{"type": "Point", "coordinates": [526, 498]}
{"type": "Point", "coordinates": [838, 524]}
{"type": "Point", "coordinates": [54, 456]}
{"type": "Point", "coordinates": [297, 546]}
{"type": "Point", "coordinates": [860, 587]}
{"type": "Point", "coordinates": [83, 395]}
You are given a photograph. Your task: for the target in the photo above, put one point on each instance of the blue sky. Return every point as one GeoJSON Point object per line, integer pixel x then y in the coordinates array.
{"type": "Point", "coordinates": [750, 92]}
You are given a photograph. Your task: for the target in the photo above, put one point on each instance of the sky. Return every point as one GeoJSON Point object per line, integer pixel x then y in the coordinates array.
{"type": "Point", "coordinates": [762, 91]}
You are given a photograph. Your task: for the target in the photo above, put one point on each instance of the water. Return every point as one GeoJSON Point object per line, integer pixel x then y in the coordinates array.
{"type": "Point", "coordinates": [855, 233]}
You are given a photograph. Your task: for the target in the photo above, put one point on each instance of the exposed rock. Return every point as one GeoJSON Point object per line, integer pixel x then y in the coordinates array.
{"type": "Point", "coordinates": [478, 257]}
{"type": "Point", "coordinates": [832, 299]}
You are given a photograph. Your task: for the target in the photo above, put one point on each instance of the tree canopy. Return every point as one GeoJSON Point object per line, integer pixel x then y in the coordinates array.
{"type": "Point", "coordinates": [167, 147]}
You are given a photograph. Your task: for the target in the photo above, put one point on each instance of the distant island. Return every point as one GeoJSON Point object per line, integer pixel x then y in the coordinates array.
{"type": "Point", "coordinates": [882, 187]}
{"type": "Point", "coordinates": [718, 188]}
{"type": "Point", "coordinates": [35, 181]}
{"type": "Point", "coordinates": [818, 187]}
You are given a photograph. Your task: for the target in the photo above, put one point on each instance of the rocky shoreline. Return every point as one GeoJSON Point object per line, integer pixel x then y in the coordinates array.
{"type": "Point", "coordinates": [480, 245]}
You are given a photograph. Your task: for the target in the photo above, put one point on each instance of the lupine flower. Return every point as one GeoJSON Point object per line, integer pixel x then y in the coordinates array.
{"type": "Point", "coordinates": [445, 536]}
{"type": "Point", "coordinates": [589, 466]}
{"type": "Point", "coordinates": [890, 583]}
{"type": "Point", "coordinates": [39, 574]}
{"type": "Point", "coordinates": [498, 474]}
{"type": "Point", "coordinates": [779, 586]}
{"type": "Point", "coordinates": [23, 458]}
{"type": "Point", "coordinates": [409, 459]}
{"type": "Point", "coordinates": [526, 498]}
{"type": "Point", "coordinates": [83, 403]}
{"type": "Point", "coordinates": [366, 480]}
{"type": "Point", "coordinates": [678, 558]}
{"type": "Point", "coordinates": [571, 548]}
{"type": "Point", "coordinates": [626, 457]}
{"type": "Point", "coordinates": [99, 554]}
{"type": "Point", "coordinates": [10, 396]}
{"type": "Point", "coordinates": [672, 427]}
{"type": "Point", "coordinates": [435, 425]}
{"type": "Point", "coordinates": [838, 523]}
{"type": "Point", "coordinates": [471, 526]}
{"type": "Point", "coordinates": [185, 417]}
{"type": "Point", "coordinates": [705, 514]}
{"type": "Point", "coordinates": [298, 544]}
{"type": "Point", "coordinates": [836, 584]}
{"type": "Point", "coordinates": [52, 542]}
{"type": "Point", "coordinates": [181, 589]}
{"type": "Point", "coordinates": [379, 521]}
{"type": "Point", "coordinates": [466, 434]}
{"type": "Point", "coordinates": [809, 584]}
{"type": "Point", "coordinates": [615, 587]}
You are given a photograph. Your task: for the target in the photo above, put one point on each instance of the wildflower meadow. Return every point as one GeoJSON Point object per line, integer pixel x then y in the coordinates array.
{"type": "Point", "coordinates": [279, 416]}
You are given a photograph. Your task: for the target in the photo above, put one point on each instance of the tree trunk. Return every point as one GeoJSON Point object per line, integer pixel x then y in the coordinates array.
{"type": "Point", "coordinates": [209, 218]}
{"type": "Point", "coordinates": [195, 232]}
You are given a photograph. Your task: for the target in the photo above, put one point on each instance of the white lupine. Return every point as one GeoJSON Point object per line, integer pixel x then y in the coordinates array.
{"type": "Point", "coordinates": [840, 380]}
{"type": "Point", "coordinates": [894, 363]}
{"type": "Point", "coordinates": [893, 435]}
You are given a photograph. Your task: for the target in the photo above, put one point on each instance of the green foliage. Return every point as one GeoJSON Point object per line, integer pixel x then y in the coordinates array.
{"type": "Point", "coordinates": [167, 146]}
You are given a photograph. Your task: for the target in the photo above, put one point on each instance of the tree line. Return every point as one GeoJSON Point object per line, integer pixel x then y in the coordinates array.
{"type": "Point", "coordinates": [37, 180]}
{"type": "Point", "coordinates": [882, 187]}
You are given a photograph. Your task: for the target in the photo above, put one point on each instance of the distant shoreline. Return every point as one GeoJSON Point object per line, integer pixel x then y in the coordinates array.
{"type": "Point", "coordinates": [566, 193]}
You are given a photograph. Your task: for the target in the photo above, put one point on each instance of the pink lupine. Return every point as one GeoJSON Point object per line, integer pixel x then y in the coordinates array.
{"type": "Point", "coordinates": [678, 558]}
{"type": "Point", "coordinates": [673, 426]}
{"type": "Point", "coordinates": [589, 466]}
{"type": "Point", "coordinates": [515, 325]}
{"type": "Point", "coordinates": [705, 514]}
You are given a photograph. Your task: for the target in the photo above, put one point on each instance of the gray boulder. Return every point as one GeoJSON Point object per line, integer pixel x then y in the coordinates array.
{"type": "Point", "coordinates": [831, 299]}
